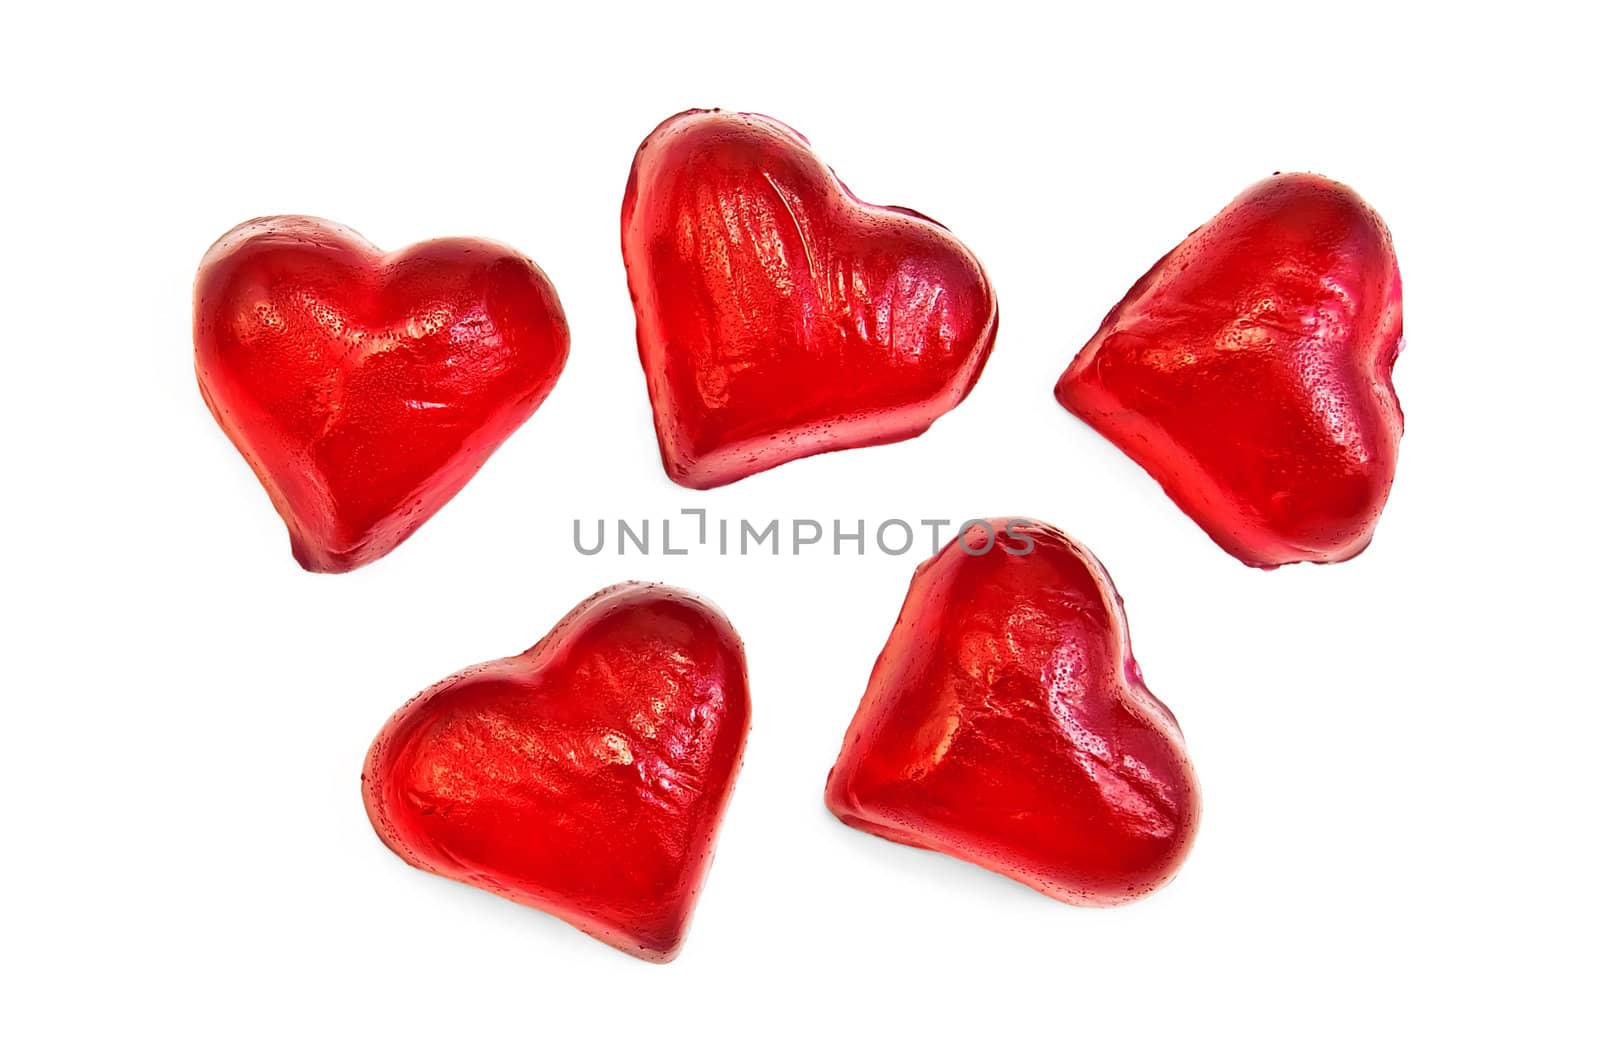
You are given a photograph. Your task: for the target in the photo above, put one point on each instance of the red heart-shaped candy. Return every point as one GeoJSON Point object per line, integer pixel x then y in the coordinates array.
{"type": "Point", "coordinates": [1006, 724]}
{"type": "Point", "coordinates": [1248, 372]}
{"type": "Point", "coordinates": [585, 777]}
{"type": "Point", "coordinates": [779, 316]}
{"type": "Point", "coordinates": [366, 389]}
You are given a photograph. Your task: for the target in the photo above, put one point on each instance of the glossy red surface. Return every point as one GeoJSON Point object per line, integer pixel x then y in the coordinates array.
{"type": "Point", "coordinates": [778, 315]}
{"type": "Point", "coordinates": [365, 389]}
{"type": "Point", "coordinates": [1006, 724]}
{"type": "Point", "coordinates": [1248, 372]}
{"type": "Point", "coordinates": [585, 777]}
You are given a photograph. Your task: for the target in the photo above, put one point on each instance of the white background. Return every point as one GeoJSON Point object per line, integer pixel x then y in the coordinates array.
{"type": "Point", "coordinates": [1397, 753]}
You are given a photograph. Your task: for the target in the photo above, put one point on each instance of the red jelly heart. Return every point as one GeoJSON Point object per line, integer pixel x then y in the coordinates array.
{"type": "Point", "coordinates": [1006, 724]}
{"type": "Point", "coordinates": [779, 316]}
{"type": "Point", "coordinates": [585, 777]}
{"type": "Point", "coordinates": [365, 389]}
{"type": "Point", "coordinates": [1248, 372]}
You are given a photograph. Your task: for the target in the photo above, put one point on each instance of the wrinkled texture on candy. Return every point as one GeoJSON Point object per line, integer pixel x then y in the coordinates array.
{"type": "Point", "coordinates": [778, 315]}
{"type": "Point", "coordinates": [1249, 372]}
{"type": "Point", "coordinates": [585, 777]}
{"type": "Point", "coordinates": [365, 389]}
{"type": "Point", "coordinates": [1006, 723]}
